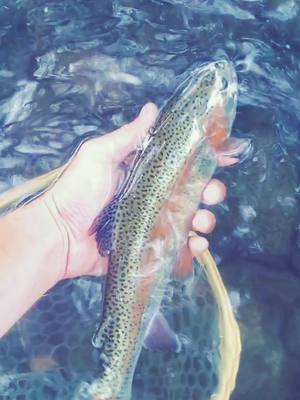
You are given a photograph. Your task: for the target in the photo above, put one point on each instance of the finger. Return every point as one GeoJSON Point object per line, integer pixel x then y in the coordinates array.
{"type": "Point", "coordinates": [127, 138]}
{"type": "Point", "coordinates": [204, 221]}
{"type": "Point", "coordinates": [197, 245]}
{"type": "Point", "coordinates": [214, 192]}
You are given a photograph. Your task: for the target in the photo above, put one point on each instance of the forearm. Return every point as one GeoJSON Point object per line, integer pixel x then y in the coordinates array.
{"type": "Point", "coordinates": [32, 259]}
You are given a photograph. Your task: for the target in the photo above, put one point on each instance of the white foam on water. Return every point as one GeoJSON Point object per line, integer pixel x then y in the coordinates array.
{"type": "Point", "coordinates": [82, 129]}
{"type": "Point", "coordinates": [4, 185]}
{"type": "Point", "coordinates": [248, 212]}
{"type": "Point", "coordinates": [5, 143]}
{"type": "Point", "coordinates": [235, 300]}
{"type": "Point", "coordinates": [222, 7]}
{"type": "Point", "coordinates": [14, 109]}
{"type": "Point", "coordinates": [10, 162]}
{"type": "Point", "coordinates": [27, 148]}
{"type": "Point", "coordinates": [286, 10]}
{"type": "Point", "coordinates": [46, 65]}
{"type": "Point", "coordinates": [5, 73]}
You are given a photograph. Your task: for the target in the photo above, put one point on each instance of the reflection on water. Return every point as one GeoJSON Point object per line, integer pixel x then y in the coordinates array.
{"type": "Point", "coordinates": [67, 68]}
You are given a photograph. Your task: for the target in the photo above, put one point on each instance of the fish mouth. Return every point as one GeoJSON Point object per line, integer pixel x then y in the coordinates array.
{"type": "Point", "coordinates": [227, 87]}
{"type": "Point", "coordinates": [224, 92]}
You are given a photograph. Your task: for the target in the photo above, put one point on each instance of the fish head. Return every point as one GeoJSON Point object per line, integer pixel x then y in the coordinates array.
{"type": "Point", "coordinates": [208, 97]}
{"type": "Point", "coordinates": [221, 105]}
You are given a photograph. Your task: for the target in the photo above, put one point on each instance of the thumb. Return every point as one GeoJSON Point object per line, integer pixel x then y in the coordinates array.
{"type": "Point", "coordinates": [127, 138]}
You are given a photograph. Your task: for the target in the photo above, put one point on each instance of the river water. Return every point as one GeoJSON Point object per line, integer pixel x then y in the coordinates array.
{"type": "Point", "coordinates": [71, 67]}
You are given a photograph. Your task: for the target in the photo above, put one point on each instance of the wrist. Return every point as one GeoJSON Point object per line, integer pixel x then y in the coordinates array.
{"type": "Point", "coordinates": [36, 234]}
{"type": "Point", "coordinates": [33, 252]}
{"type": "Point", "coordinates": [33, 232]}
{"type": "Point", "coordinates": [58, 244]}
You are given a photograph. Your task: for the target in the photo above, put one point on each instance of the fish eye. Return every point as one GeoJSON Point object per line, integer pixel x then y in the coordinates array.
{"type": "Point", "coordinates": [220, 65]}
{"type": "Point", "coordinates": [224, 84]}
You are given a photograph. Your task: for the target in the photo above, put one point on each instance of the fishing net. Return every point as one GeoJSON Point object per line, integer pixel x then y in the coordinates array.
{"type": "Point", "coordinates": [48, 354]}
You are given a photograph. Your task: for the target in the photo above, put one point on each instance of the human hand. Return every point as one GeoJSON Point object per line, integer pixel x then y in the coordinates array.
{"type": "Point", "coordinates": [88, 185]}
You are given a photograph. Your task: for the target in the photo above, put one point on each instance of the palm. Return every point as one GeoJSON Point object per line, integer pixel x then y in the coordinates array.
{"type": "Point", "coordinates": [87, 186]}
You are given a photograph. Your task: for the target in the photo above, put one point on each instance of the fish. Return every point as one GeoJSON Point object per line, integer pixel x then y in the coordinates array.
{"type": "Point", "coordinates": [146, 225]}
{"type": "Point", "coordinates": [164, 334]}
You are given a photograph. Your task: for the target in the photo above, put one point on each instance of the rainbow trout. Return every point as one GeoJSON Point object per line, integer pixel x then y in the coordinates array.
{"type": "Point", "coordinates": [147, 223]}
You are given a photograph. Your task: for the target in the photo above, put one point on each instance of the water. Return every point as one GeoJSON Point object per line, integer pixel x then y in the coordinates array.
{"type": "Point", "coordinates": [68, 68]}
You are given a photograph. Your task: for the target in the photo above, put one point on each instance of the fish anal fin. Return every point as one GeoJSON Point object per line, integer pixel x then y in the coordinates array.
{"type": "Point", "coordinates": [234, 147]}
{"type": "Point", "coordinates": [160, 337]}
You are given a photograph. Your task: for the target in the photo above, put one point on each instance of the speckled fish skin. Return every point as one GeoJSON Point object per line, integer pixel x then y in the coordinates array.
{"type": "Point", "coordinates": [144, 248]}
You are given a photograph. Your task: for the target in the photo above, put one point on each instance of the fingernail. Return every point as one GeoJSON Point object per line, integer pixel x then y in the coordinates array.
{"type": "Point", "coordinates": [147, 109]}
{"type": "Point", "coordinates": [143, 110]}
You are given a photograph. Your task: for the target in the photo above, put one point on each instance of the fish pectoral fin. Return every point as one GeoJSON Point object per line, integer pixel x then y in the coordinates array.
{"type": "Point", "coordinates": [103, 227]}
{"type": "Point", "coordinates": [160, 337]}
{"type": "Point", "coordinates": [232, 151]}
{"type": "Point", "coordinates": [234, 147]}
